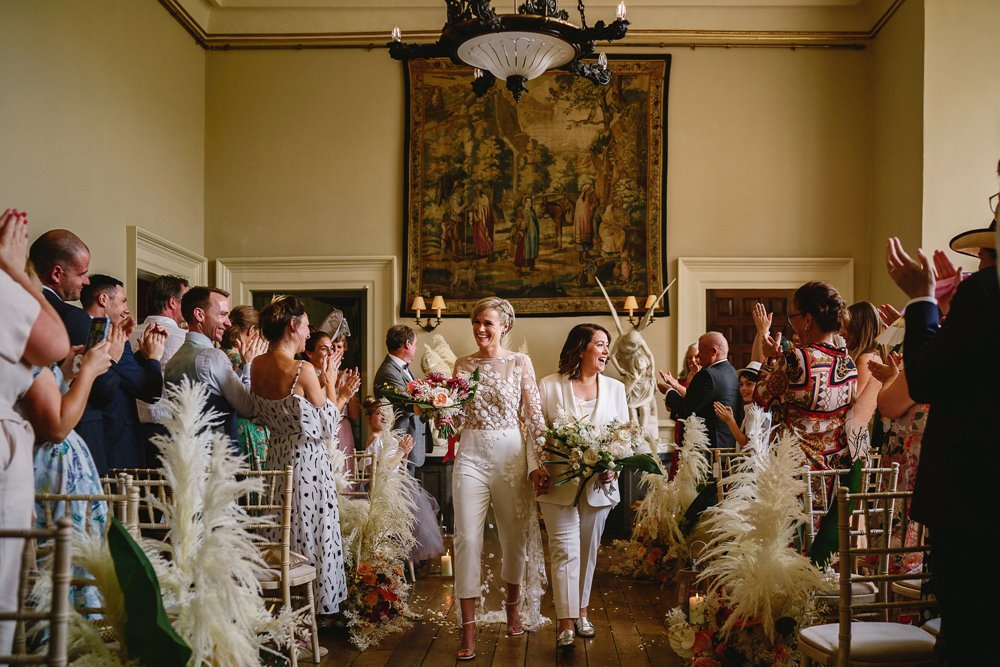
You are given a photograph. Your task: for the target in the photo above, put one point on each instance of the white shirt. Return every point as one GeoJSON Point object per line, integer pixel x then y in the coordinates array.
{"type": "Point", "coordinates": [152, 412]}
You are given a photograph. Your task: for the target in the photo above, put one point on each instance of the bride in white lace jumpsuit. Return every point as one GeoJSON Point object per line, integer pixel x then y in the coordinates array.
{"type": "Point", "coordinates": [493, 465]}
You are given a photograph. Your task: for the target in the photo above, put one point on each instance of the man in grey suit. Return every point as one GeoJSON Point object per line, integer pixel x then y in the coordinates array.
{"type": "Point", "coordinates": [400, 341]}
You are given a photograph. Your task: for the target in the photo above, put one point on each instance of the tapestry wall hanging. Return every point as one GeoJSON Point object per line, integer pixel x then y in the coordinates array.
{"type": "Point", "coordinates": [532, 200]}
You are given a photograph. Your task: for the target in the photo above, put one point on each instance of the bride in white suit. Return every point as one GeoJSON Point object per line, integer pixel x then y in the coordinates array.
{"type": "Point", "coordinates": [579, 389]}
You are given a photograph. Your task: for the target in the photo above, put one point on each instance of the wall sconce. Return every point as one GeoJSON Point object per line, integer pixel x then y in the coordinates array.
{"type": "Point", "coordinates": [631, 305]}
{"type": "Point", "coordinates": [437, 305]}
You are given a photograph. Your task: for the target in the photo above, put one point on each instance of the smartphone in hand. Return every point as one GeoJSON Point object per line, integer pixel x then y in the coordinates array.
{"type": "Point", "coordinates": [100, 327]}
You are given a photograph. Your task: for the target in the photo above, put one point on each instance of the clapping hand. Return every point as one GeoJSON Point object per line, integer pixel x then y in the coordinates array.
{"type": "Point", "coordinates": [888, 313]}
{"type": "Point", "coordinates": [885, 372]}
{"type": "Point", "coordinates": [915, 278]}
{"type": "Point", "coordinates": [153, 340]}
{"type": "Point", "coordinates": [13, 241]}
{"type": "Point", "coordinates": [116, 341]}
{"type": "Point", "coordinates": [251, 347]}
{"type": "Point", "coordinates": [724, 412]}
{"type": "Point", "coordinates": [771, 345]}
{"type": "Point", "coordinates": [348, 383]}
{"type": "Point", "coordinates": [667, 382]}
{"type": "Point", "coordinates": [128, 324]}
{"type": "Point", "coordinates": [947, 276]}
{"type": "Point", "coordinates": [406, 445]}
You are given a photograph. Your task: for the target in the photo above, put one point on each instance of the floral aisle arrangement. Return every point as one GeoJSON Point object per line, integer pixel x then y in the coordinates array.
{"type": "Point", "coordinates": [762, 585]}
{"type": "Point", "coordinates": [202, 604]}
{"type": "Point", "coordinates": [439, 397]}
{"type": "Point", "coordinates": [586, 450]}
{"type": "Point", "coordinates": [378, 537]}
{"type": "Point", "coordinates": [662, 535]}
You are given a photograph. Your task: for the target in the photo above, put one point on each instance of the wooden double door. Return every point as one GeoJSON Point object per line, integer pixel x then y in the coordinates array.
{"type": "Point", "coordinates": [730, 312]}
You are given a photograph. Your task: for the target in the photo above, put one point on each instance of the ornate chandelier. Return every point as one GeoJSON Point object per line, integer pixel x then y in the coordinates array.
{"type": "Point", "coordinates": [516, 47]}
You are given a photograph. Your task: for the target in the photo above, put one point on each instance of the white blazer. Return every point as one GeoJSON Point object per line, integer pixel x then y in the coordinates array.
{"type": "Point", "coordinates": [557, 392]}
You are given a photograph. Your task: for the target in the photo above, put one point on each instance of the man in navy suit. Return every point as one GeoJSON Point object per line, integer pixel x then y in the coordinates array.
{"type": "Point", "coordinates": [715, 382]}
{"type": "Point", "coordinates": [952, 364]}
{"type": "Point", "coordinates": [138, 373]}
{"type": "Point", "coordinates": [62, 262]}
{"type": "Point", "coordinates": [400, 341]}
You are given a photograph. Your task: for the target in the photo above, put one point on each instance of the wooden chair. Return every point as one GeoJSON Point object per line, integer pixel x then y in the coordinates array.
{"type": "Point", "coordinates": [144, 518]}
{"type": "Point", "coordinates": [362, 474]}
{"type": "Point", "coordinates": [723, 460]}
{"type": "Point", "coordinates": [822, 484]}
{"type": "Point", "coordinates": [858, 642]}
{"type": "Point", "coordinates": [80, 508]}
{"type": "Point", "coordinates": [60, 537]}
{"type": "Point", "coordinates": [286, 570]}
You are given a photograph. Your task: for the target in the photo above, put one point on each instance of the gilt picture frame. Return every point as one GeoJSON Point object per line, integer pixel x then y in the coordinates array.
{"type": "Point", "coordinates": [532, 200]}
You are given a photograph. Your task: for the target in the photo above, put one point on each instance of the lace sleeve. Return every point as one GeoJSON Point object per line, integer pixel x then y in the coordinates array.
{"type": "Point", "coordinates": [531, 410]}
{"type": "Point", "coordinates": [462, 365]}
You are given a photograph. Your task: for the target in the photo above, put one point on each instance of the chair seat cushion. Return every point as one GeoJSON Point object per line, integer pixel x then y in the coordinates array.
{"type": "Point", "coordinates": [273, 558]}
{"type": "Point", "coordinates": [932, 626]}
{"type": "Point", "coordinates": [858, 589]}
{"type": "Point", "coordinates": [872, 642]}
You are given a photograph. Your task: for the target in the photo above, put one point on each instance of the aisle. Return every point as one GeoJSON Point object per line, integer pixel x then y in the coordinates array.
{"type": "Point", "coordinates": [628, 616]}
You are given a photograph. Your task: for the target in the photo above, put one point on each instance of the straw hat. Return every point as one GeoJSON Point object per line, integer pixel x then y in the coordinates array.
{"type": "Point", "coordinates": [969, 243]}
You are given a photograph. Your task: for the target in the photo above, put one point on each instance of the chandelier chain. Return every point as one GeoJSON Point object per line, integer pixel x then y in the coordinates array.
{"type": "Point", "coordinates": [583, 16]}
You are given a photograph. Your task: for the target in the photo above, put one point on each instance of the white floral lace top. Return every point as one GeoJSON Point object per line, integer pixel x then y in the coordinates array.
{"type": "Point", "coordinates": [507, 399]}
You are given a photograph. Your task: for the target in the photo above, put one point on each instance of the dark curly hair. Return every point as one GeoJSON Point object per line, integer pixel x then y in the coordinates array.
{"type": "Point", "coordinates": [823, 302]}
{"type": "Point", "coordinates": [276, 316]}
{"type": "Point", "coordinates": [577, 340]}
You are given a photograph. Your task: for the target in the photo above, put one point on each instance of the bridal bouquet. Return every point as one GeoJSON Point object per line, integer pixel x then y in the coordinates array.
{"type": "Point", "coordinates": [587, 449]}
{"type": "Point", "coordinates": [439, 397]}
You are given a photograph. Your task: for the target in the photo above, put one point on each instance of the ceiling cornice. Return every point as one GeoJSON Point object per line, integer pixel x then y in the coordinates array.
{"type": "Point", "coordinates": [637, 37]}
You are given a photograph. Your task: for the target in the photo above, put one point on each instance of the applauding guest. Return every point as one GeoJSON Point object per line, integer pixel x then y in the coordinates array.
{"type": "Point", "coordinates": [579, 389]}
{"type": "Point", "coordinates": [300, 410]}
{"type": "Point", "coordinates": [206, 311]}
{"type": "Point", "coordinates": [809, 388]}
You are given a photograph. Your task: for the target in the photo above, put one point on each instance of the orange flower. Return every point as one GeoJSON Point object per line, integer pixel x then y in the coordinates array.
{"type": "Point", "coordinates": [371, 598]}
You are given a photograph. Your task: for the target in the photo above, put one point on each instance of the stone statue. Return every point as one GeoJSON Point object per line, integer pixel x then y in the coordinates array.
{"type": "Point", "coordinates": [630, 354]}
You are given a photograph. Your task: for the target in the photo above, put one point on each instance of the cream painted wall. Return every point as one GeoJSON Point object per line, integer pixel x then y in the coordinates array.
{"type": "Point", "coordinates": [897, 81]}
{"type": "Point", "coordinates": [102, 122]}
{"type": "Point", "coordinates": [961, 118]}
{"type": "Point", "coordinates": [768, 155]}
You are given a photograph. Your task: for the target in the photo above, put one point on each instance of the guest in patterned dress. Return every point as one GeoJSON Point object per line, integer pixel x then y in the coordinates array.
{"type": "Point", "coordinates": [809, 388]}
{"type": "Point", "coordinates": [493, 465]}
{"type": "Point", "coordinates": [244, 328]}
{"type": "Point", "coordinates": [63, 463]}
{"type": "Point", "coordinates": [860, 334]}
{"type": "Point", "coordinates": [300, 410]}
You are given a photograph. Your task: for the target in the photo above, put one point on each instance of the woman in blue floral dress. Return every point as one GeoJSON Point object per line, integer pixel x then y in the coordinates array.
{"type": "Point", "coordinates": [63, 463]}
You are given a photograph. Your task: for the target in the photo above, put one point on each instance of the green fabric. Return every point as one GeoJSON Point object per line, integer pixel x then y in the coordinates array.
{"type": "Point", "coordinates": [149, 637]}
{"type": "Point", "coordinates": [825, 544]}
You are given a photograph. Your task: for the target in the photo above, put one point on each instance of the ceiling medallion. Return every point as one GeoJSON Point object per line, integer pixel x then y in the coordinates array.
{"type": "Point", "coordinates": [516, 47]}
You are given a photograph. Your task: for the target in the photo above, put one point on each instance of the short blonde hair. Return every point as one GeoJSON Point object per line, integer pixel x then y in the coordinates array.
{"type": "Point", "coordinates": [504, 310]}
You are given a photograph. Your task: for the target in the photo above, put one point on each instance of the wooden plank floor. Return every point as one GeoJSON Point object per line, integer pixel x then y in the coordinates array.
{"type": "Point", "coordinates": [627, 614]}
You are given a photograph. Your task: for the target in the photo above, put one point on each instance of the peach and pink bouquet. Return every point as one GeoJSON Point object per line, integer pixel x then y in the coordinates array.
{"type": "Point", "coordinates": [437, 397]}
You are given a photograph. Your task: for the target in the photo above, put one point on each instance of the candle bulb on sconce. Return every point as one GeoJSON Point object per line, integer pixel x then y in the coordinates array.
{"type": "Point", "coordinates": [437, 305]}
{"type": "Point", "coordinates": [620, 13]}
{"type": "Point", "coordinates": [632, 305]}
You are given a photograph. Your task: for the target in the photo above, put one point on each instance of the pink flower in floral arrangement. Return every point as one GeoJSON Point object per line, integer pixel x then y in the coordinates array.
{"type": "Point", "coordinates": [440, 398]}
{"type": "Point", "coordinates": [705, 662]}
{"type": "Point", "coordinates": [436, 377]}
{"type": "Point", "coordinates": [413, 385]}
{"type": "Point", "coordinates": [702, 642]}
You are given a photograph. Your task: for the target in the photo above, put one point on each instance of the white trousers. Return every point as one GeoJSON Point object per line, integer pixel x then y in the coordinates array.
{"type": "Point", "coordinates": [574, 537]}
{"type": "Point", "coordinates": [490, 469]}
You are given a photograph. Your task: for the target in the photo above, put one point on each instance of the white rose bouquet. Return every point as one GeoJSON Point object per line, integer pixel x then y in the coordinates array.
{"type": "Point", "coordinates": [587, 450]}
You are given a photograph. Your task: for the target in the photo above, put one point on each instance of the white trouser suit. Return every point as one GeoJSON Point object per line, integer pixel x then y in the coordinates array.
{"type": "Point", "coordinates": [492, 466]}
{"type": "Point", "coordinates": [575, 532]}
